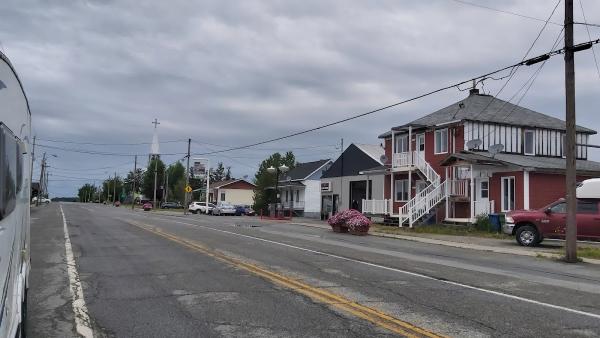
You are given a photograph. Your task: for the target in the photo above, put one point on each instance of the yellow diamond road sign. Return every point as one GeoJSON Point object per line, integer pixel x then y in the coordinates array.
{"type": "Point", "coordinates": [188, 189]}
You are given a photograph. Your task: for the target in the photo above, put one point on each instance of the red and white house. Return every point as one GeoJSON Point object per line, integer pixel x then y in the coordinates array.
{"type": "Point", "coordinates": [476, 156]}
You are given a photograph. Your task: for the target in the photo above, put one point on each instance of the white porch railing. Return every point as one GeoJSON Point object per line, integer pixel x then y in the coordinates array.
{"type": "Point", "coordinates": [458, 187]}
{"type": "Point", "coordinates": [416, 159]}
{"type": "Point", "coordinates": [422, 203]}
{"type": "Point", "coordinates": [377, 207]}
{"type": "Point", "coordinates": [431, 175]}
{"type": "Point", "coordinates": [402, 159]}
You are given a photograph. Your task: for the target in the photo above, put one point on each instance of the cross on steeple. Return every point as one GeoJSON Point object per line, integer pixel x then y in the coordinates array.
{"type": "Point", "coordinates": [155, 123]}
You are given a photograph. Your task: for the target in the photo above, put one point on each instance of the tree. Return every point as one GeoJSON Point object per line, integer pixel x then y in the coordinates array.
{"type": "Point", "coordinates": [220, 173]}
{"type": "Point", "coordinates": [138, 181]}
{"type": "Point", "coordinates": [176, 175]}
{"type": "Point", "coordinates": [109, 186]}
{"type": "Point", "coordinates": [87, 193]}
{"type": "Point", "coordinates": [148, 179]}
{"type": "Point", "coordinates": [264, 193]}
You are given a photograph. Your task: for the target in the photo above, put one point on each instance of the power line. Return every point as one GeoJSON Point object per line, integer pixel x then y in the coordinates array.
{"type": "Point", "coordinates": [587, 24]}
{"type": "Point", "coordinates": [92, 152]}
{"type": "Point", "coordinates": [107, 144]}
{"type": "Point", "coordinates": [517, 68]}
{"type": "Point", "coordinates": [587, 27]}
{"type": "Point", "coordinates": [524, 62]}
{"type": "Point", "coordinates": [505, 12]}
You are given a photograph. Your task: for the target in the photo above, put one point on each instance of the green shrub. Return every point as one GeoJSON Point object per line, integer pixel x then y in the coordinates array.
{"type": "Point", "coordinates": [482, 223]}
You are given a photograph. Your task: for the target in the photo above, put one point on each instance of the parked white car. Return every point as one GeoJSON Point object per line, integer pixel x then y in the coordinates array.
{"type": "Point", "coordinates": [223, 208]}
{"type": "Point", "coordinates": [42, 200]}
{"type": "Point", "coordinates": [200, 207]}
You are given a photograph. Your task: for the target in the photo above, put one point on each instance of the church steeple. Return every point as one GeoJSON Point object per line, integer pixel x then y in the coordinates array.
{"type": "Point", "coordinates": [154, 148]}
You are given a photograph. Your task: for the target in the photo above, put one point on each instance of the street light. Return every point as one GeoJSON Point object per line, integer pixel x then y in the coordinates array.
{"type": "Point", "coordinates": [272, 170]}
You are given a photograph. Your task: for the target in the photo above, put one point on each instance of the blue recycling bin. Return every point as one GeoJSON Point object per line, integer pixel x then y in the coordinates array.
{"type": "Point", "coordinates": [496, 223]}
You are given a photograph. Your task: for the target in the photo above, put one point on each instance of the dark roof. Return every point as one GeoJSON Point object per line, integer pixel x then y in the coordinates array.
{"type": "Point", "coordinates": [303, 170]}
{"type": "Point", "coordinates": [540, 163]}
{"type": "Point", "coordinates": [214, 185]}
{"type": "Point", "coordinates": [352, 161]}
{"type": "Point", "coordinates": [486, 108]}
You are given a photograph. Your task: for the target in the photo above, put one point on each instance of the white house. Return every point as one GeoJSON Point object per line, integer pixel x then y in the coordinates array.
{"type": "Point", "coordinates": [300, 188]}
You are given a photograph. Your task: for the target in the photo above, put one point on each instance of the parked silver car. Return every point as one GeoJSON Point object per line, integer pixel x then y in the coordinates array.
{"type": "Point", "coordinates": [223, 208]}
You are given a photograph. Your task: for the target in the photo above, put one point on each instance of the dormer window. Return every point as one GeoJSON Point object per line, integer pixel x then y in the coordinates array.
{"type": "Point", "coordinates": [529, 142]}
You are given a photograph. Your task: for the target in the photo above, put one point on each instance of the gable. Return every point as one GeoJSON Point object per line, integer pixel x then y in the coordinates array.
{"type": "Point", "coordinates": [353, 161]}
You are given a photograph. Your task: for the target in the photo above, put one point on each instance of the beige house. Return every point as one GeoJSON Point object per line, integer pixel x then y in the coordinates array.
{"type": "Point", "coordinates": [232, 191]}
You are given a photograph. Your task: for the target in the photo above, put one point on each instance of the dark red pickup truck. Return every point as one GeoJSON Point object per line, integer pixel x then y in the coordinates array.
{"type": "Point", "coordinates": [531, 226]}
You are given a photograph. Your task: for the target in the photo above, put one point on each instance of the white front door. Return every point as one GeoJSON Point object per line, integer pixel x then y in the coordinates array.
{"type": "Point", "coordinates": [482, 196]}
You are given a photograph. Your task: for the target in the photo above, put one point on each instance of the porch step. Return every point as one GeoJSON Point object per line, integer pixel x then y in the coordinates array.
{"type": "Point", "coordinates": [387, 220]}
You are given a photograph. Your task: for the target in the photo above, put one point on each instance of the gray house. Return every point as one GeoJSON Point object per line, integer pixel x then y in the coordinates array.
{"type": "Point", "coordinates": [357, 175]}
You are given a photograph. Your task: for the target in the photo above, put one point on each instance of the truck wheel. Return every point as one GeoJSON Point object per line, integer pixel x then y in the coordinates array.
{"type": "Point", "coordinates": [528, 235]}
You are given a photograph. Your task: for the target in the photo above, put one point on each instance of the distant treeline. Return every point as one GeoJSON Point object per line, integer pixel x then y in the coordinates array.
{"type": "Point", "coordinates": [65, 199]}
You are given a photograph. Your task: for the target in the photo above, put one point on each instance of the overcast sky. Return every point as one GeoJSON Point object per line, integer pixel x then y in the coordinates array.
{"type": "Point", "coordinates": [228, 73]}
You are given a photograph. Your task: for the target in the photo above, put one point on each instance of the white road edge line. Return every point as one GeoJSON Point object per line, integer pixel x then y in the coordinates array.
{"type": "Point", "coordinates": [82, 319]}
{"type": "Point", "coordinates": [496, 293]}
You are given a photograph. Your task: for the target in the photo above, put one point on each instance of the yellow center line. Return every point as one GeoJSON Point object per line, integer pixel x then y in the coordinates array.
{"type": "Point", "coordinates": [372, 315]}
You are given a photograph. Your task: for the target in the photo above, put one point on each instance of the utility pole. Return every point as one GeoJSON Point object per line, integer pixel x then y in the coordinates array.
{"type": "Point", "coordinates": [133, 184]}
{"type": "Point", "coordinates": [166, 196]}
{"type": "Point", "coordinates": [187, 178]}
{"type": "Point", "coordinates": [155, 178]}
{"type": "Point", "coordinates": [40, 188]}
{"type": "Point", "coordinates": [341, 198]}
{"type": "Point", "coordinates": [114, 189]}
{"type": "Point", "coordinates": [571, 189]}
{"type": "Point", "coordinates": [107, 189]}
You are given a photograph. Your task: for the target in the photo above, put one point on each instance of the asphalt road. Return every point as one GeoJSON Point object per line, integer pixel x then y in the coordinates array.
{"type": "Point", "coordinates": [153, 275]}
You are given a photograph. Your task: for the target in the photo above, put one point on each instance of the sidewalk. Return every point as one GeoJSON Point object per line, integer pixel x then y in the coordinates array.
{"type": "Point", "coordinates": [549, 248]}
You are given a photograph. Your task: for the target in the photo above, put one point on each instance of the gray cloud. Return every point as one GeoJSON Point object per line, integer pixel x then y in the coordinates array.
{"type": "Point", "coordinates": [236, 72]}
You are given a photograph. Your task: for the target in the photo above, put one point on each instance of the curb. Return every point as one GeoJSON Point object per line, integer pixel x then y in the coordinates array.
{"type": "Point", "coordinates": [461, 245]}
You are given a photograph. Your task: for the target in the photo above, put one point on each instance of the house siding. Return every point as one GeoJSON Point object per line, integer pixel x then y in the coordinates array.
{"type": "Point", "coordinates": [236, 196]}
{"type": "Point", "coordinates": [547, 142]}
{"type": "Point", "coordinates": [546, 188]}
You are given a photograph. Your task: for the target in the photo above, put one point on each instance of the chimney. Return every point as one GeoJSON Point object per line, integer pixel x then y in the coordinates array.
{"type": "Point", "coordinates": [473, 91]}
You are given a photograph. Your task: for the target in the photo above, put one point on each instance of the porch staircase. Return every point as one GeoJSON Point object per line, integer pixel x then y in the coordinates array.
{"type": "Point", "coordinates": [427, 199]}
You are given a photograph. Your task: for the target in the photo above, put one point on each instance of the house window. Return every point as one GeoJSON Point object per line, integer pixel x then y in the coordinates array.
{"type": "Point", "coordinates": [508, 193]}
{"type": "Point", "coordinates": [485, 189]}
{"type": "Point", "coordinates": [297, 195]}
{"type": "Point", "coordinates": [529, 142]}
{"type": "Point", "coordinates": [222, 197]}
{"type": "Point", "coordinates": [402, 144]}
{"type": "Point", "coordinates": [401, 188]}
{"type": "Point", "coordinates": [441, 141]}
{"type": "Point", "coordinates": [420, 142]}
{"type": "Point", "coordinates": [286, 195]}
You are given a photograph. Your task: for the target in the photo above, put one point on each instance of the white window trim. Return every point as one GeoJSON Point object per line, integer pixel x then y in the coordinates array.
{"type": "Point", "coordinates": [397, 143]}
{"type": "Point", "coordinates": [417, 142]}
{"type": "Point", "coordinates": [435, 136]}
{"type": "Point", "coordinates": [486, 189]}
{"type": "Point", "coordinates": [396, 191]}
{"type": "Point", "coordinates": [525, 143]}
{"type": "Point", "coordinates": [514, 186]}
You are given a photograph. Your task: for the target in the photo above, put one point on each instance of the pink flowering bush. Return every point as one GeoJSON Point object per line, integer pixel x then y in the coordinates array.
{"type": "Point", "coordinates": [353, 219]}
